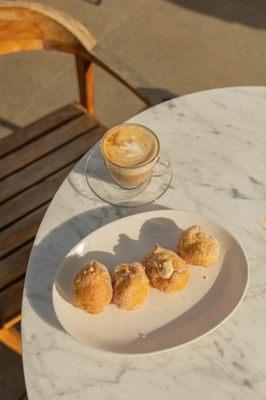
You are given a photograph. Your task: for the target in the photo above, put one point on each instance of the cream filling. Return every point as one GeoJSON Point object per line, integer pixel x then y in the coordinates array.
{"type": "Point", "coordinates": [166, 269]}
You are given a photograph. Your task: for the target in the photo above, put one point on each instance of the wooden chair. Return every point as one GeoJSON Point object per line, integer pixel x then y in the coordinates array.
{"type": "Point", "coordinates": [35, 160]}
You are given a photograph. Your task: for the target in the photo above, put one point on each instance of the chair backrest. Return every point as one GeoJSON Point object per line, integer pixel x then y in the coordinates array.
{"type": "Point", "coordinates": [35, 26]}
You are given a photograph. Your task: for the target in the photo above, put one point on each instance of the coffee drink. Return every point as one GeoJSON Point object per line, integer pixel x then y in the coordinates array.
{"type": "Point", "coordinates": [130, 152]}
{"type": "Point", "coordinates": [130, 145]}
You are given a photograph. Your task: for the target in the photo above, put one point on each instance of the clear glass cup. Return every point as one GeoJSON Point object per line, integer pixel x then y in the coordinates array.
{"type": "Point", "coordinates": [133, 176]}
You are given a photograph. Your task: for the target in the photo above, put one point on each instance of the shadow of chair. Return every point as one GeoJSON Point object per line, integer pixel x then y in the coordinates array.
{"type": "Point", "coordinates": [94, 2]}
{"type": "Point", "coordinates": [247, 12]}
{"type": "Point", "coordinates": [35, 159]}
{"type": "Point", "coordinates": [157, 95]}
{"type": "Point", "coordinates": [7, 124]}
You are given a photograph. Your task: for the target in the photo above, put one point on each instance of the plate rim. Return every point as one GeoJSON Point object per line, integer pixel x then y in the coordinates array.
{"type": "Point", "coordinates": [171, 348]}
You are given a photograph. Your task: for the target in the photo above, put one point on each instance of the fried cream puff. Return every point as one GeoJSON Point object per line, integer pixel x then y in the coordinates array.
{"type": "Point", "coordinates": [92, 288]}
{"type": "Point", "coordinates": [197, 247]}
{"type": "Point", "coordinates": [131, 286]}
{"type": "Point", "coordinates": [166, 270]}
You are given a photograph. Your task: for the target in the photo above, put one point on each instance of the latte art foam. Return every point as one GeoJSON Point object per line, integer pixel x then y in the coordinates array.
{"type": "Point", "coordinates": [130, 146]}
{"type": "Point", "coordinates": [132, 149]}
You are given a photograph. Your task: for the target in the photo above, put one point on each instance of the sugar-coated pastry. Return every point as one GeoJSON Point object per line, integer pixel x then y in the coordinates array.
{"type": "Point", "coordinates": [197, 247]}
{"type": "Point", "coordinates": [166, 270]}
{"type": "Point", "coordinates": [92, 288]}
{"type": "Point", "coordinates": [131, 286]}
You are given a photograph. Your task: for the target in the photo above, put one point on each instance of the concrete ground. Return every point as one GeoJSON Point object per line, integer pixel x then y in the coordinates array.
{"type": "Point", "coordinates": [177, 46]}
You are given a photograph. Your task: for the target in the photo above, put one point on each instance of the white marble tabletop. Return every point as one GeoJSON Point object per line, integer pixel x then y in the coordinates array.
{"type": "Point", "coordinates": [216, 140]}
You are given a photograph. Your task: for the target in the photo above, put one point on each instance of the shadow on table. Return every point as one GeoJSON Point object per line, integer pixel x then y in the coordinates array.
{"type": "Point", "coordinates": [126, 250]}
{"type": "Point", "coordinates": [56, 245]}
{"type": "Point", "coordinates": [246, 12]}
{"type": "Point", "coordinates": [209, 312]}
{"type": "Point", "coordinates": [157, 95]}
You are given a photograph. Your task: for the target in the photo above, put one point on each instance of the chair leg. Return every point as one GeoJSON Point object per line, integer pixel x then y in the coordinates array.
{"type": "Point", "coordinates": [86, 83]}
{"type": "Point", "coordinates": [11, 338]}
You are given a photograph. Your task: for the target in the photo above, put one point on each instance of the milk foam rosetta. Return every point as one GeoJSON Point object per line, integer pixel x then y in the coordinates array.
{"type": "Point", "coordinates": [130, 146]}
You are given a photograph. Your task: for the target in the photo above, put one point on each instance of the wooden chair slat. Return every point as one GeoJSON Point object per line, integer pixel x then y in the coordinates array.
{"type": "Point", "coordinates": [14, 266]}
{"type": "Point", "coordinates": [49, 164]}
{"type": "Point", "coordinates": [45, 144]}
{"type": "Point", "coordinates": [32, 198]}
{"type": "Point", "coordinates": [21, 231]}
{"type": "Point", "coordinates": [24, 135]}
{"type": "Point", "coordinates": [10, 301]}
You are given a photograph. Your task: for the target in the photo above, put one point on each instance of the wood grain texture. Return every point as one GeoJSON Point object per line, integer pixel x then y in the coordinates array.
{"type": "Point", "coordinates": [35, 26]}
{"type": "Point", "coordinates": [44, 167]}
{"type": "Point", "coordinates": [13, 321]}
{"type": "Point", "coordinates": [45, 144]}
{"type": "Point", "coordinates": [10, 301]}
{"type": "Point", "coordinates": [32, 198]}
{"type": "Point", "coordinates": [14, 266]}
{"type": "Point", "coordinates": [86, 84]}
{"type": "Point", "coordinates": [21, 231]}
{"type": "Point", "coordinates": [38, 128]}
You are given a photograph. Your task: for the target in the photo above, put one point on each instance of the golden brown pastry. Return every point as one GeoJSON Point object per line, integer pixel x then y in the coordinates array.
{"type": "Point", "coordinates": [197, 247]}
{"type": "Point", "coordinates": [166, 270]}
{"type": "Point", "coordinates": [92, 288]}
{"type": "Point", "coordinates": [131, 286]}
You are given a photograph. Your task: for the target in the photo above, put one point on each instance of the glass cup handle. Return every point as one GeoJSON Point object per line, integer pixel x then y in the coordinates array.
{"type": "Point", "coordinates": [160, 167]}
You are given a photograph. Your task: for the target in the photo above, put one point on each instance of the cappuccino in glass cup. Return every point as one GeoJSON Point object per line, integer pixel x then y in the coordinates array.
{"type": "Point", "coordinates": [130, 152]}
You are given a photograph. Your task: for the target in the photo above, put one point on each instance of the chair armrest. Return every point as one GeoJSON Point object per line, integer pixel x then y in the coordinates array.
{"type": "Point", "coordinates": [123, 73]}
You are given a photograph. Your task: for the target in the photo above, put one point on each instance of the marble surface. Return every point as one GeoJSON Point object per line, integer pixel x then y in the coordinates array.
{"type": "Point", "coordinates": [216, 140]}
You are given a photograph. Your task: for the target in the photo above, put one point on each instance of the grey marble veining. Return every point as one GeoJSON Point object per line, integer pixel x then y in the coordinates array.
{"type": "Point", "coordinates": [216, 140]}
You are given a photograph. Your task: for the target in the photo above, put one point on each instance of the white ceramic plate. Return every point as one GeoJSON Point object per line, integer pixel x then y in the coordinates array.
{"type": "Point", "coordinates": [165, 321]}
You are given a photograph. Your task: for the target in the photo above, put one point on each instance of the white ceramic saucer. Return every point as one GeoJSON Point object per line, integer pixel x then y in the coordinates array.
{"type": "Point", "coordinates": [166, 320]}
